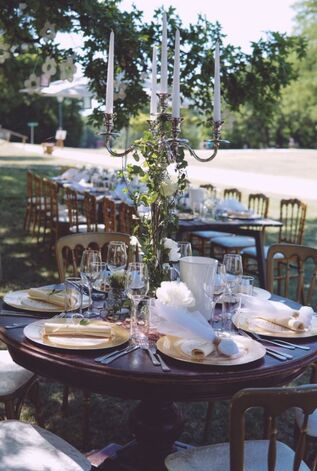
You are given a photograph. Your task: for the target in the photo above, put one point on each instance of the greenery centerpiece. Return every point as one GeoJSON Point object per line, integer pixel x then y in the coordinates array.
{"type": "Point", "coordinates": [165, 180]}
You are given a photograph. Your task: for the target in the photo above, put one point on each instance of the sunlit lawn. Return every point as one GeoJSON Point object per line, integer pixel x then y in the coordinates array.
{"type": "Point", "coordinates": [26, 263]}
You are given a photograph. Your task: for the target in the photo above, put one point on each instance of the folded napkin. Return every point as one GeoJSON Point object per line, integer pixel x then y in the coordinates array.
{"type": "Point", "coordinates": [198, 338]}
{"type": "Point", "coordinates": [76, 329]}
{"type": "Point", "coordinates": [48, 295]}
{"type": "Point", "coordinates": [231, 204]}
{"type": "Point", "coordinates": [271, 315]}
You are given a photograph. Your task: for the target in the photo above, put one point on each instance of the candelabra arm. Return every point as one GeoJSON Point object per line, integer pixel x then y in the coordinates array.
{"type": "Point", "coordinates": [200, 159]}
{"type": "Point", "coordinates": [109, 117]}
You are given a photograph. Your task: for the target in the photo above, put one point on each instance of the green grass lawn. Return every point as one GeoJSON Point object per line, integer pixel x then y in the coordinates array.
{"type": "Point", "coordinates": [26, 263]}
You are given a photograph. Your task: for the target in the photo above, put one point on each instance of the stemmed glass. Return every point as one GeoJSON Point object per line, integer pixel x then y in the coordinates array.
{"type": "Point", "coordinates": [89, 273]}
{"type": "Point", "coordinates": [234, 269]}
{"type": "Point", "coordinates": [117, 257]}
{"type": "Point", "coordinates": [185, 249]}
{"type": "Point", "coordinates": [137, 286]}
{"type": "Point", "coordinates": [214, 289]}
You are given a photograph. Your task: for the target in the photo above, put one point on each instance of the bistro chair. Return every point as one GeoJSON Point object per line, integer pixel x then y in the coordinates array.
{"type": "Point", "coordinates": [201, 239]}
{"type": "Point", "coordinates": [15, 383]}
{"type": "Point", "coordinates": [76, 219]}
{"type": "Point", "coordinates": [28, 447]}
{"type": "Point", "coordinates": [257, 202]}
{"type": "Point", "coordinates": [292, 217]}
{"type": "Point", "coordinates": [268, 454]}
{"type": "Point", "coordinates": [292, 272]}
{"type": "Point", "coordinates": [30, 203]}
{"type": "Point", "coordinates": [59, 222]}
{"type": "Point", "coordinates": [70, 247]}
{"type": "Point", "coordinates": [109, 214]}
{"type": "Point", "coordinates": [91, 213]}
{"type": "Point", "coordinates": [127, 218]}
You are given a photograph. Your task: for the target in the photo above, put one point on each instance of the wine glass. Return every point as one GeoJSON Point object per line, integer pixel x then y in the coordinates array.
{"type": "Point", "coordinates": [185, 249]}
{"type": "Point", "coordinates": [117, 255]}
{"type": "Point", "coordinates": [214, 288]}
{"type": "Point", "coordinates": [137, 286]}
{"type": "Point", "coordinates": [234, 269]}
{"type": "Point", "coordinates": [89, 273]}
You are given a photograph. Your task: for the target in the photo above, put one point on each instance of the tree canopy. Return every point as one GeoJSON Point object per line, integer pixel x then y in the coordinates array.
{"type": "Point", "coordinates": [251, 82]}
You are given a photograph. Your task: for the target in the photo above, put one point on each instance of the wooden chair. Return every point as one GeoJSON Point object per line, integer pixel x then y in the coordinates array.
{"type": "Point", "coordinates": [15, 384]}
{"type": "Point", "coordinates": [292, 272]}
{"type": "Point", "coordinates": [70, 247]}
{"type": "Point", "coordinates": [127, 218]}
{"type": "Point", "coordinates": [91, 213]}
{"type": "Point", "coordinates": [74, 216]}
{"type": "Point", "coordinates": [28, 447]}
{"type": "Point", "coordinates": [239, 454]}
{"type": "Point", "coordinates": [30, 208]}
{"type": "Point", "coordinates": [201, 239]}
{"type": "Point", "coordinates": [59, 222]}
{"type": "Point", "coordinates": [109, 214]}
{"type": "Point", "coordinates": [292, 216]}
{"type": "Point", "coordinates": [257, 202]}
{"type": "Point", "coordinates": [232, 193]}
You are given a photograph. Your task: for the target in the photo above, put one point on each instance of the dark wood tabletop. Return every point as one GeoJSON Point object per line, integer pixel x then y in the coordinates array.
{"type": "Point", "coordinates": [134, 377]}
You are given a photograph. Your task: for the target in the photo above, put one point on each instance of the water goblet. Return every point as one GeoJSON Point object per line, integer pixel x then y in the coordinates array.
{"type": "Point", "coordinates": [214, 289]}
{"type": "Point", "coordinates": [234, 269]}
{"type": "Point", "coordinates": [137, 286]}
{"type": "Point", "coordinates": [117, 255]}
{"type": "Point", "coordinates": [89, 273]}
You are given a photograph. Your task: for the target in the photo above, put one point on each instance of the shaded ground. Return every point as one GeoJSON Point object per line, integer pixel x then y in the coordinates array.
{"type": "Point", "coordinates": [25, 263]}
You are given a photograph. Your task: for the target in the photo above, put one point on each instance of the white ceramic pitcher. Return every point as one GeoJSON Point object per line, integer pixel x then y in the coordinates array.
{"type": "Point", "coordinates": [193, 271]}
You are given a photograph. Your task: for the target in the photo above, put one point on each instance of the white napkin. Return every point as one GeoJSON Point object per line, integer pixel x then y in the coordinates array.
{"type": "Point", "coordinates": [272, 315]}
{"type": "Point", "coordinates": [230, 204]}
{"type": "Point", "coordinates": [197, 334]}
{"type": "Point", "coordinates": [48, 295]}
{"type": "Point", "coordinates": [92, 329]}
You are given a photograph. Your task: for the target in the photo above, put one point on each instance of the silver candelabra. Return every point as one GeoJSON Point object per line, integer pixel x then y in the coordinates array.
{"type": "Point", "coordinates": [170, 142]}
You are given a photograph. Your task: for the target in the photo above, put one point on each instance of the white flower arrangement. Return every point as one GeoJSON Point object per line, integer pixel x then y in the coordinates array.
{"type": "Point", "coordinates": [33, 83]}
{"type": "Point", "coordinates": [49, 66]}
{"type": "Point", "coordinates": [168, 187]}
{"type": "Point", "coordinates": [173, 250]}
{"type": "Point", "coordinates": [175, 293]}
{"type": "Point", "coordinates": [67, 69]}
{"type": "Point", "coordinates": [48, 32]}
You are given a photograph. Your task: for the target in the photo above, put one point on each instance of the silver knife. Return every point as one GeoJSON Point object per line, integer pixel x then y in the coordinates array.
{"type": "Point", "coordinates": [118, 355]}
{"type": "Point", "coordinates": [163, 364]}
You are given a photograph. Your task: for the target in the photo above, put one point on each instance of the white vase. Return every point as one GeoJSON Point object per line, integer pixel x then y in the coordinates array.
{"type": "Point", "coordinates": [193, 272]}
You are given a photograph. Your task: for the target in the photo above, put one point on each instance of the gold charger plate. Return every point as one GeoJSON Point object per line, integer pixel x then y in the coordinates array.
{"type": "Point", "coordinates": [242, 215]}
{"type": "Point", "coordinates": [250, 351]}
{"type": "Point", "coordinates": [33, 332]}
{"type": "Point", "coordinates": [20, 300]}
{"type": "Point", "coordinates": [185, 216]}
{"type": "Point", "coordinates": [241, 322]}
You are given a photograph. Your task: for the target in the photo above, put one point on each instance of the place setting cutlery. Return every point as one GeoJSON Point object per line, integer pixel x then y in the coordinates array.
{"type": "Point", "coordinates": [280, 343]}
{"type": "Point", "coordinates": [270, 351]}
{"type": "Point", "coordinates": [109, 357]}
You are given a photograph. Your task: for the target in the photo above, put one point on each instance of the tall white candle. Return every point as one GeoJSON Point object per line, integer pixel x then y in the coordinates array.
{"type": "Point", "coordinates": [109, 92]}
{"type": "Point", "coordinates": [175, 93]}
{"type": "Point", "coordinates": [164, 56]}
{"type": "Point", "coordinates": [153, 105]}
{"type": "Point", "coordinates": [217, 95]}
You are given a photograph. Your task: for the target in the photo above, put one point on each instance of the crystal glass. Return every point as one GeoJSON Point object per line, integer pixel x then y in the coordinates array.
{"type": "Point", "coordinates": [234, 269]}
{"type": "Point", "coordinates": [73, 295]}
{"type": "Point", "coordinates": [137, 286]}
{"type": "Point", "coordinates": [214, 289]}
{"type": "Point", "coordinates": [89, 273]}
{"type": "Point", "coordinates": [117, 257]}
{"type": "Point", "coordinates": [185, 249]}
{"type": "Point", "coordinates": [246, 285]}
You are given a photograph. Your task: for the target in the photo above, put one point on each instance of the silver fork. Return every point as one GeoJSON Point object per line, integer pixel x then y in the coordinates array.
{"type": "Point", "coordinates": [144, 345]}
{"type": "Point", "coordinates": [163, 365]}
{"type": "Point", "coordinates": [269, 351]}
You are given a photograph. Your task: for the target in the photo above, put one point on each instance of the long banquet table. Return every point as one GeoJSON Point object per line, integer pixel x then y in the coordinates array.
{"type": "Point", "coordinates": [246, 227]}
{"type": "Point", "coordinates": [156, 421]}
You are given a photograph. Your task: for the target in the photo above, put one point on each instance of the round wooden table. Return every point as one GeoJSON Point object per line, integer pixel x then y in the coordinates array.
{"type": "Point", "coordinates": [155, 421]}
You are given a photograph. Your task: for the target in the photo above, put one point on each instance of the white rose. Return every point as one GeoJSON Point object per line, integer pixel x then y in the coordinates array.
{"type": "Point", "coordinates": [175, 293]}
{"type": "Point", "coordinates": [168, 188]}
{"type": "Point", "coordinates": [172, 246]}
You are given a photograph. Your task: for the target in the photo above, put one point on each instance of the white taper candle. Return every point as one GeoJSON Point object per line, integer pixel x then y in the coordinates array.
{"type": "Point", "coordinates": [109, 92]}
{"type": "Point", "coordinates": [217, 95]}
{"type": "Point", "coordinates": [153, 105]}
{"type": "Point", "coordinates": [175, 93]}
{"type": "Point", "coordinates": [164, 56]}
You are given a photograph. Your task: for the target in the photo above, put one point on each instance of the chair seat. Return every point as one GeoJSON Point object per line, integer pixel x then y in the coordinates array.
{"type": "Point", "coordinates": [312, 421]}
{"type": "Point", "coordinates": [217, 458]}
{"type": "Point", "coordinates": [238, 242]}
{"type": "Point", "coordinates": [210, 234]}
{"type": "Point", "coordinates": [12, 376]}
{"type": "Point", "coordinates": [82, 228]}
{"type": "Point", "coordinates": [251, 252]}
{"type": "Point", "coordinates": [27, 447]}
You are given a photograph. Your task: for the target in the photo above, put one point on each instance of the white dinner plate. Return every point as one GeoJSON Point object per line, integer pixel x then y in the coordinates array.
{"type": "Point", "coordinates": [249, 349]}
{"type": "Point", "coordinates": [33, 332]}
{"type": "Point", "coordinates": [20, 300]}
{"type": "Point", "coordinates": [261, 293]}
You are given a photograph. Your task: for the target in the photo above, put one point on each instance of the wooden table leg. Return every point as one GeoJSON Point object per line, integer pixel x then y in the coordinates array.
{"type": "Point", "coordinates": [258, 236]}
{"type": "Point", "coordinates": [156, 426]}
